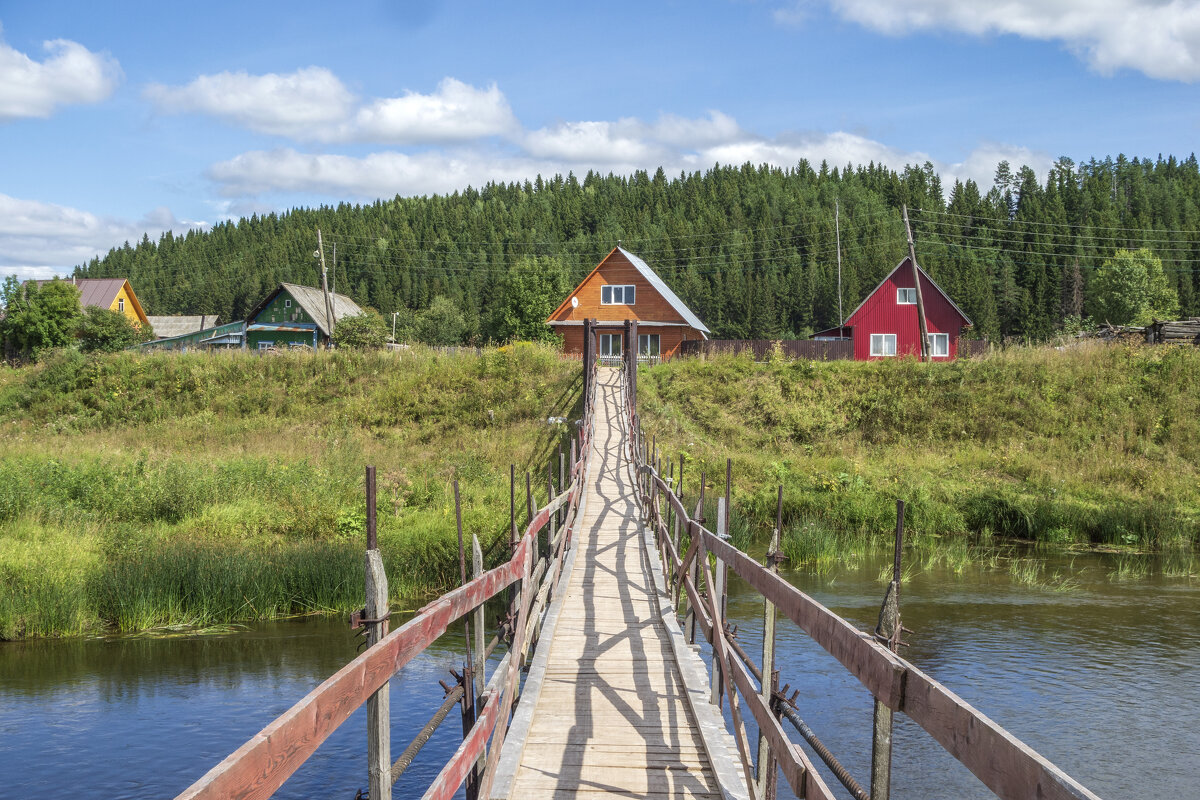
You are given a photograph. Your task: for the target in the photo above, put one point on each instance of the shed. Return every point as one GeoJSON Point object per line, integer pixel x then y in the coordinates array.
{"type": "Point", "coordinates": [170, 327]}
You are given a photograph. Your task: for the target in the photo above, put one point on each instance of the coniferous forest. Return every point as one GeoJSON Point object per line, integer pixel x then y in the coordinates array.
{"type": "Point", "coordinates": [750, 249]}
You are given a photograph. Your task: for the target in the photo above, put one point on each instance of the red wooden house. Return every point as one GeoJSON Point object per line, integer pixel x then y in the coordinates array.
{"type": "Point", "coordinates": [622, 287]}
{"type": "Point", "coordinates": [885, 323]}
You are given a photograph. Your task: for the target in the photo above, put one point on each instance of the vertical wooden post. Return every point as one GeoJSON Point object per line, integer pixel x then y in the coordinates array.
{"type": "Point", "coordinates": [512, 507]}
{"type": "Point", "coordinates": [889, 627]}
{"type": "Point", "coordinates": [719, 575]}
{"type": "Point", "coordinates": [562, 481]}
{"type": "Point", "coordinates": [766, 777]}
{"type": "Point", "coordinates": [553, 517]}
{"type": "Point", "coordinates": [379, 743]}
{"type": "Point", "coordinates": [480, 664]}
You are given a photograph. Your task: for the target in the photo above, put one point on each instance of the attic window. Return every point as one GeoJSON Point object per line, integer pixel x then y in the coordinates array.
{"type": "Point", "coordinates": [287, 303]}
{"type": "Point", "coordinates": [906, 297]}
{"type": "Point", "coordinates": [618, 295]}
{"type": "Point", "coordinates": [121, 304]}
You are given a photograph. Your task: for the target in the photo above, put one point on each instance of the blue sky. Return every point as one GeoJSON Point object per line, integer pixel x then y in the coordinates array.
{"type": "Point", "coordinates": [120, 119]}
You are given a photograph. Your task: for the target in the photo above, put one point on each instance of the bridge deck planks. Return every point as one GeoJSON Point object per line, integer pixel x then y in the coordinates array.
{"type": "Point", "coordinates": [612, 718]}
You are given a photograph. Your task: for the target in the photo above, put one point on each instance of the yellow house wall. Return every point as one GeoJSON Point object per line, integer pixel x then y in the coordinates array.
{"type": "Point", "coordinates": [132, 306]}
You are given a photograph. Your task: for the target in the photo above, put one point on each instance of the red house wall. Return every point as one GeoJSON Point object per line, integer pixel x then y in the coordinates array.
{"type": "Point", "coordinates": [882, 314]}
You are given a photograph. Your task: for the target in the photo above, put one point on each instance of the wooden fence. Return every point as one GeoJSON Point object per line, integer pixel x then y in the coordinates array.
{"type": "Point", "coordinates": [810, 349]}
{"type": "Point", "coordinates": [260, 766]}
{"type": "Point", "coordinates": [695, 560]}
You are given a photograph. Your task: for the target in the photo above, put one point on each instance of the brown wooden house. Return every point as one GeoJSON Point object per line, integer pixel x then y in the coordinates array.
{"type": "Point", "coordinates": [622, 287]}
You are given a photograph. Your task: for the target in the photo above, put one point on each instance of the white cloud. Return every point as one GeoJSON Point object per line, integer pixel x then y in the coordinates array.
{"type": "Point", "coordinates": [630, 140]}
{"type": "Point", "coordinates": [70, 74]}
{"type": "Point", "coordinates": [455, 112]}
{"type": "Point", "coordinates": [38, 240]}
{"type": "Point", "coordinates": [1160, 38]}
{"type": "Point", "coordinates": [303, 104]}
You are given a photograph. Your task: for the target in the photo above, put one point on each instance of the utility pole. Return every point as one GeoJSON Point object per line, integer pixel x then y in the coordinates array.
{"type": "Point", "coordinates": [333, 271]}
{"type": "Point", "coordinates": [838, 229]}
{"type": "Point", "coordinates": [912, 257]}
{"type": "Point", "coordinates": [325, 285]}
{"type": "Point", "coordinates": [394, 315]}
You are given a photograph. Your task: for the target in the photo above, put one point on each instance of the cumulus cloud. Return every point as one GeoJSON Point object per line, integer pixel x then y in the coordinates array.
{"type": "Point", "coordinates": [302, 104]}
{"type": "Point", "coordinates": [39, 240]}
{"type": "Point", "coordinates": [630, 140]}
{"type": "Point", "coordinates": [455, 112]}
{"type": "Point", "coordinates": [70, 74]}
{"type": "Point", "coordinates": [313, 104]}
{"type": "Point", "coordinates": [1160, 38]}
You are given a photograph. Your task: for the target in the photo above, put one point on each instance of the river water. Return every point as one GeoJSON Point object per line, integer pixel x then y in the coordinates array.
{"type": "Point", "coordinates": [1103, 679]}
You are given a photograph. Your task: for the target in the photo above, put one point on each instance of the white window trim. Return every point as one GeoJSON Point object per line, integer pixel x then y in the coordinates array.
{"type": "Point", "coordinates": [627, 290]}
{"type": "Point", "coordinates": [882, 339]}
{"type": "Point", "coordinates": [646, 350]}
{"type": "Point", "coordinates": [265, 345]}
{"type": "Point", "coordinates": [612, 338]}
{"type": "Point", "coordinates": [933, 337]}
{"type": "Point", "coordinates": [902, 292]}
{"type": "Point", "coordinates": [121, 304]}
{"type": "Point", "coordinates": [287, 303]}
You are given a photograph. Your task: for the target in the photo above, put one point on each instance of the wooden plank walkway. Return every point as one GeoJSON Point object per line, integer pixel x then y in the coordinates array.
{"type": "Point", "coordinates": [612, 715]}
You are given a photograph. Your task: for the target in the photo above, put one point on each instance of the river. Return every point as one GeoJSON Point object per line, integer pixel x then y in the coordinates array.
{"type": "Point", "coordinates": [1102, 678]}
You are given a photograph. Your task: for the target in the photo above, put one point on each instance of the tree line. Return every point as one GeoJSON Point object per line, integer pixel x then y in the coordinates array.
{"type": "Point", "coordinates": [753, 250]}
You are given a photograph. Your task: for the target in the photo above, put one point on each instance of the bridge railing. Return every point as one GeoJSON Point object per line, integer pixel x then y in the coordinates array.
{"type": "Point", "coordinates": [260, 766]}
{"type": "Point", "coordinates": [1008, 767]}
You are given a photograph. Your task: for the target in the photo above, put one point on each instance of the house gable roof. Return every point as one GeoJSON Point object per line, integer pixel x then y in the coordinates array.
{"type": "Point", "coordinates": [652, 278]}
{"type": "Point", "coordinates": [313, 302]}
{"type": "Point", "coordinates": [101, 292]}
{"type": "Point", "coordinates": [848, 322]}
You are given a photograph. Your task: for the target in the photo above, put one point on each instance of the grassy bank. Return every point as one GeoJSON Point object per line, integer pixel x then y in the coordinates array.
{"type": "Point", "coordinates": [143, 490]}
{"type": "Point", "coordinates": [1093, 446]}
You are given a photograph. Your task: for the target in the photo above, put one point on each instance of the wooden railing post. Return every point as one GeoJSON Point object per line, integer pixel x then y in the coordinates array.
{"type": "Point", "coordinates": [379, 743]}
{"type": "Point", "coordinates": [715, 679]}
{"type": "Point", "coordinates": [889, 628]}
{"type": "Point", "coordinates": [766, 778]}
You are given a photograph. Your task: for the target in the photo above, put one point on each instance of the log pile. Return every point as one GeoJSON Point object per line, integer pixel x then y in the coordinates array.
{"type": "Point", "coordinates": [1185, 331]}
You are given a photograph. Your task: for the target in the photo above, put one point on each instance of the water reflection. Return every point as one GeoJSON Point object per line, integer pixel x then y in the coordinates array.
{"type": "Point", "coordinates": [1104, 680]}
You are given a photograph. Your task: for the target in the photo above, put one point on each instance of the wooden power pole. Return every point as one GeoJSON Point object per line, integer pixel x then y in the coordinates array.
{"type": "Point", "coordinates": [912, 258]}
{"type": "Point", "coordinates": [325, 285]}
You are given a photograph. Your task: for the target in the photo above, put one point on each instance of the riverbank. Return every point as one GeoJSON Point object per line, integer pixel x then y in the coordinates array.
{"type": "Point", "coordinates": [1095, 446]}
{"type": "Point", "coordinates": [145, 490]}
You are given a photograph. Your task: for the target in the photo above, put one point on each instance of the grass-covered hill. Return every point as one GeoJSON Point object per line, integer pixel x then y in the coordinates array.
{"type": "Point", "coordinates": [1095, 445]}
{"type": "Point", "coordinates": [146, 490]}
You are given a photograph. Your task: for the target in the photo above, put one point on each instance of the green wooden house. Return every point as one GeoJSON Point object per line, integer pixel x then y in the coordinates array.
{"type": "Point", "coordinates": [295, 316]}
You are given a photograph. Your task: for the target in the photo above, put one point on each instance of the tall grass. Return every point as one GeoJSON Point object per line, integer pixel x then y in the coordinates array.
{"type": "Point", "coordinates": [1097, 445]}
{"type": "Point", "coordinates": [140, 490]}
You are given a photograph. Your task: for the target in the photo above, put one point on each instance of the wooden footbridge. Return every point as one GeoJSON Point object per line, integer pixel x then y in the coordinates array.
{"type": "Point", "coordinates": [601, 689]}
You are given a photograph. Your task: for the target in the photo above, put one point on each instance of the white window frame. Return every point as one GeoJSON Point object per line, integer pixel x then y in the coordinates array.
{"type": "Point", "coordinates": [616, 294]}
{"type": "Point", "coordinates": [265, 345]}
{"type": "Point", "coordinates": [879, 342]}
{"type": "Point", "coordinates": [906, 292]}
{"type": "Point", "coordinates": [121, 304]}
{"type": "Point", "coordinates": [287, 303]}
{"type": "Point", "coordinates": [644, 342]}
{"type": "Point", "coordinates": [944, 338]}
{"type": "Point", "coordinates": [613, 340]}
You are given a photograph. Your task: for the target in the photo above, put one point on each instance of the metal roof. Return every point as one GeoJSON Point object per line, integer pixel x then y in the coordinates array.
{"type": "Point", "coordinates": [313, 302]}
{"type": "Point", "coordinates": [652, 277]}
{"type": "Point", "coordinates": [893, 272]}
{"type": "Point", "coordinates": [167, 327]}
{"type": "Point", "coordinates": [93, 291]}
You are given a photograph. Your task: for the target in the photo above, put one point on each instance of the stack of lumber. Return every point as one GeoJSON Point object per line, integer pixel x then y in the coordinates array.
{"type": "Point", "coordinates": [1185, 331]}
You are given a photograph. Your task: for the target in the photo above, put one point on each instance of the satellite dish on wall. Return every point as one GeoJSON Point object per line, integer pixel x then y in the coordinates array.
{"type": "Point", "coordinates": [574, 302]}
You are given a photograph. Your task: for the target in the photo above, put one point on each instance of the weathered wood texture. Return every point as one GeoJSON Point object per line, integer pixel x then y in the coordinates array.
{"type": "Point", "coordinates": [1011, 769]}
{"type": "Point", "coordinates": [611, 717]}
